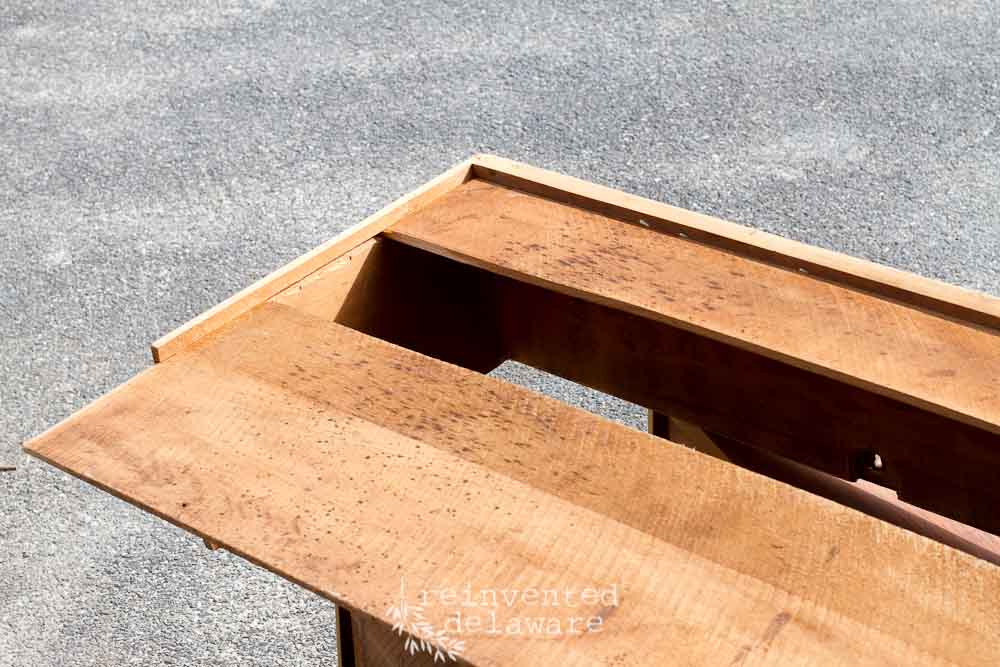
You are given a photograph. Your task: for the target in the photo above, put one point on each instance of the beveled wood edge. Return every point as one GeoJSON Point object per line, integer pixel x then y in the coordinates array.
{"type": "Point", "coordinates": [966, 306]}
{"type": "Point", "coordinates": [307, 264]}
{"type": "Point", "coordinates": [339, 600]}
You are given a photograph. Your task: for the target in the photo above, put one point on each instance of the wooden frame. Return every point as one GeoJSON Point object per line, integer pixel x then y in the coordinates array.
{"type": "Point", "coordinates": [402, 310]}
{"type": "Point", "coordinates": [925, 486]}
{"type": "Point", "coordinates": [905, 287]}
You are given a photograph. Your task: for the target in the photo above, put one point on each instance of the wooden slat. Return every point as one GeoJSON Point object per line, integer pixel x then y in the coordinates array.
{"type": "Point", "coordinates": [932, 295]}
{"type": "Point", "coordinates": [302, 266]}
{"type": "Point", "coordinates": [937, 364]}
{"type": "Point", "coordinates": [344, 462]}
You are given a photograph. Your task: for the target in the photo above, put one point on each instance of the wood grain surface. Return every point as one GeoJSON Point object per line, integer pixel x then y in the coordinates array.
{"type": "Point", "coordinates": [346, 463]}
{"type": "Point", "coordinates": [932, 362]}
{"type": "Point", "coordinates": [908, 288]}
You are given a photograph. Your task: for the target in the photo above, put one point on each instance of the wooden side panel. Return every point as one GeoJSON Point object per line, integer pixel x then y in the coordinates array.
{"type": "Point", "coordinates": [271, 284]}
{"type": "Point", "coordinates": [344, 462]}
{"type": "Point", "coordinates": [936, 364]}
{"type": "Point", "coordinates": [346, 654]}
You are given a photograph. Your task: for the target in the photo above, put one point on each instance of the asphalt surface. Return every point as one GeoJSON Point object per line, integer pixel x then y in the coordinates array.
{"type": "Point", "coordinates": [154, 160]}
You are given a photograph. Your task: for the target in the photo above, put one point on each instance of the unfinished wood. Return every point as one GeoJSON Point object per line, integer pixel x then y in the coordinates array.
{"type": "Point", "coordinates": [863, 496]}
{"type": "Point", "coordinates": [932, 295]}
{"type": "Point", "coordinates": [451, 311]}
{"type": "Point", "coordinates": [932, 461]}
{"type": "Point", "coordinates": [344, 462]}
{"type": "Point", "coordinates": [299, 268]}
{"type": "Point", "coordinates": [937, 364]}
{"type": "Point", "coordinates": [476, 319]}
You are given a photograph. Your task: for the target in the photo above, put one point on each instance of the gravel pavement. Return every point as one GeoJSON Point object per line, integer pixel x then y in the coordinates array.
{"type": "Point", "coordinates": [155, 159]}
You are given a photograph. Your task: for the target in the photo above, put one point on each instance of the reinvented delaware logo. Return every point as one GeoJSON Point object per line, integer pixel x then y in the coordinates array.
{"type": "Point", "coordinates": [542, 613]}
{"type": "Point", "coordinates": [418, 634]}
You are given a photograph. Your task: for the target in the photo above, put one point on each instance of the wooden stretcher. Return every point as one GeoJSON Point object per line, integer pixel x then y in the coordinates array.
{"type": "Point", "coordinates": [333, 424]}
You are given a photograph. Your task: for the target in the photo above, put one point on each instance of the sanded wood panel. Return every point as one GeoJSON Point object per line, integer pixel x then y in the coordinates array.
{"type": "Point", "coordinates": [932, 362]}
{"type": "Point", "coordinates": [920, 291]}
{"type": "Point", "coordinates": [345, 463]}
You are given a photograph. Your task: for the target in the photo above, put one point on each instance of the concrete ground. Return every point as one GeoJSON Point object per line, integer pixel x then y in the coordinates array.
{"type": "Point", "coordinates": [154, 160]}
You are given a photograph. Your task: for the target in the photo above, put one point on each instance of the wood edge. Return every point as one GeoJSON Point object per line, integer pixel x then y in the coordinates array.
{"type": "Point", "coordinates": [29, 445]}
{"type": "Point", "coordinates": [261, 290]}
{"type": "Point", "coordinates": [935, 296]}
{"type": "Point", "coordinates": [339, 601]}
{"type": "Point", "coordinates": [203, 536]}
